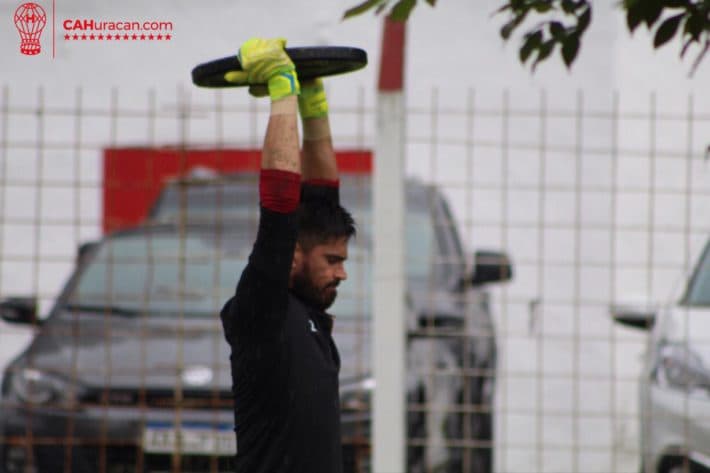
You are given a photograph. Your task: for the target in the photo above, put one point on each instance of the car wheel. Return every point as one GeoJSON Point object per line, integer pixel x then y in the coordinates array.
{"type": "Point", "coordinates": [478, 427]}
{"type": "Point", "coordinates": [416, 429]}
{"type": "Point", "coordinates": [482, 457]}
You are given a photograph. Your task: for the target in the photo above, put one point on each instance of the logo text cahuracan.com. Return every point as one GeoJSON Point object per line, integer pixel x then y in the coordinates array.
{"type": "Point", "coordinates": [91, 29]}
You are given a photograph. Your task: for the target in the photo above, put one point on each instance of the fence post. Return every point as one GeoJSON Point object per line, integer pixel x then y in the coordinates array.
{"type": "Point", "coordinates": [389, 408]}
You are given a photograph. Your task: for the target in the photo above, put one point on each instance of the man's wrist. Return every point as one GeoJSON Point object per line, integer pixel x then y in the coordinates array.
{"type": "Point", "coordinates": [285, 106]}
{"type": "Point", "coordinates": [316, 128]}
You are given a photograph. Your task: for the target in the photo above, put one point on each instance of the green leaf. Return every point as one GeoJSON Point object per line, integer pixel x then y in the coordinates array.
{"type": "Point", "coordinates": [402, 10]}
{"type": "Point", "coordinates": [570, 48]}
{"type": "Point", "coordinates": [667, 30]}
{"type": "Point", "coordinates": [584, 20]}
{"type": "Point", "coordinates": [557, 31]}
{"type": "Point", "coordinates": [508, 28]}
{"type": "Point", "coordinates": [362, 8]}
{"type": "Point", "coordinates": [676, 3]}
{"type": "Point", "coordinates": [651, 11]}
{"type": "Point", "coordinates": [634, 17]}
{"type": "Point", "coordinates": [569, 6]}
{"type": "Point", "coordinates": [542, 6]}
{"type": "Point", "coordinates": [543, 52]}
{"type": "Point", "coordinates": [531, 43]}
{"type": "Point", "coordinates": [505, 7]}
{"type": "Point", "coordinates": [694, 25]}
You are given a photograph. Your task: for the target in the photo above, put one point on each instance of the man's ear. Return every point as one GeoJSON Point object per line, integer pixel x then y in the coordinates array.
{"type": "Point", "coordinates": [297, 257]}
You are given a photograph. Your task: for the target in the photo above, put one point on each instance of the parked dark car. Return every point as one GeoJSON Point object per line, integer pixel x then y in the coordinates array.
{"type": "Point", "coordinates": [130, 370]}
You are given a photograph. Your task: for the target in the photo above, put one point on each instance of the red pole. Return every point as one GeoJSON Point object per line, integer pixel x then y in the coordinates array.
{"type": "Point", "coordinates": [392, 59]}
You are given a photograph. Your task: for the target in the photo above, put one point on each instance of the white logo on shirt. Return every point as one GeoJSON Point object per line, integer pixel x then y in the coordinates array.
{"type": "Point", "coordinates": [313, 326]}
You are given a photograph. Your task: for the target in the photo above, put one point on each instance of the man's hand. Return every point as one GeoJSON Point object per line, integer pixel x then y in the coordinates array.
{"type": "Point", "coordinates": [266, 62]}
{"type": "Point", "coordinates": [264, 58]}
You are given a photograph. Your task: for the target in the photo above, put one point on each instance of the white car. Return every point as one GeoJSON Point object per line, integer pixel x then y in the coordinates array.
{"type": "Point", "coordinates": [675, 381]}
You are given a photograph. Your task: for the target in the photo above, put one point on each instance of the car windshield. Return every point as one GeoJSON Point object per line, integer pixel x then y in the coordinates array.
{"type": "Point", "coordinates": [237, 200]}
{"type": "Point", "coordinates": [159, 273]}
{"type": "Point", "coordinates": [699, 288]}
{"type": "Point", "coordinates": [166, 274]}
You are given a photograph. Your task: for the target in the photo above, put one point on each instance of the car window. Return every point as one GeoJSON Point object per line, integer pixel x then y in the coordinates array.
{"type": "Point", "coordinates": [421, 250]}
{"type": "Point", "coordinates": [699, 287]}
{"type": "Point", "coordinates": [451, 263]}
{"type": "Point", "coordinates": [160, 274]}
{"type": "Point", "coordinates": [355, 294]}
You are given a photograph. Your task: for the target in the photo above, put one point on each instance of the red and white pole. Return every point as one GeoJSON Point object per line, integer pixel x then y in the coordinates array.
{"type": "Point", "coordinates": [389, 326]}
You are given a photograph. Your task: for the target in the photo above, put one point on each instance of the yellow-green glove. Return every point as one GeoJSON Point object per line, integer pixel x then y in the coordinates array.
{"type": "Point", "coordinates": [266, 62]}
{"type": "Point", "coordinates": [312, 103]}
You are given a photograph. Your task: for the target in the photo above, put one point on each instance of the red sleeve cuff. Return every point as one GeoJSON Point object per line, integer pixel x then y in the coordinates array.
{"type": "Point", "coordinates": [279, 190]}
{"type": "Point", "coordinates": [323, 182]}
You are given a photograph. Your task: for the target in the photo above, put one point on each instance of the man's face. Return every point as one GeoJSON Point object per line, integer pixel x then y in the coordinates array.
{"type": "Point", "coordinates": [316, 274]}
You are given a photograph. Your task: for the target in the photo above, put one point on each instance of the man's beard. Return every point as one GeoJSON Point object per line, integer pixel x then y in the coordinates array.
{"type": "Point", "coordinates": [319, 297]}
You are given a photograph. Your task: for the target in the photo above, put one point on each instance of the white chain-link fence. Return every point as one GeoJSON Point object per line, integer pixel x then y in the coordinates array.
{"type": "Point", "coordinates": [597, 200]}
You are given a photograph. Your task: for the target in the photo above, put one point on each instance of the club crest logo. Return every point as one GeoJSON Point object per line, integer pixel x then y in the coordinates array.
{"type": "Point", "coordinates": [30, 20]}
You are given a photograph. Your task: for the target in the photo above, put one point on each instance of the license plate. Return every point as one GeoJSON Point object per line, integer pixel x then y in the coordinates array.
{"type": "Point", "coordinates": [189, 439]}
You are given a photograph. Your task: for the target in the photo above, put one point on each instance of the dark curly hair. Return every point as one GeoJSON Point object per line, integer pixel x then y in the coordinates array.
{"type": "Point", "coordinates": [320, 221]}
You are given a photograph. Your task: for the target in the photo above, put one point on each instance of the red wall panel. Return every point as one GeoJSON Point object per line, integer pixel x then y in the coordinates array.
{"type": "Point", "coordinates": [133, 177]}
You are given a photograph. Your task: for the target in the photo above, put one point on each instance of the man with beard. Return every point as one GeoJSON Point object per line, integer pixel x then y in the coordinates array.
{"type": "Point", "coordinates": [283, 360]}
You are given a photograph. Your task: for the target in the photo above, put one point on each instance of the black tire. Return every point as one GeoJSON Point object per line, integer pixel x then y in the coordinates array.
{"type": "Point", "coordinates": [482, 458]}
{"type": "Point", "coordinates": [311, 62]}
{"type": "Point", "coordinates": [416, 428]}
{"type": "Point", "coordinates": [476, 426]}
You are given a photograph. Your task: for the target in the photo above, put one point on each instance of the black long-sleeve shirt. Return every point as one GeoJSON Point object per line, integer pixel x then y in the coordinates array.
{"type": "Point", "coordinates": [283, 360]}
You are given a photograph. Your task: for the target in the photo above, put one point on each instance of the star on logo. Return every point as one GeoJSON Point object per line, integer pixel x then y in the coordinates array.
{"type": "Point", "coordinates": [83, 37]}
{"type": "Point", "coordinates": [109, 37]}
{"type": "Point", "coordinates": [167, 36]}
{"type": "Point", "coordinates": [92, 36]}
{"type": "Point", "coordinates": [125, 36]}
{"type": "Point", "coordinates": [142, 37]}
{"type": "Point", "coordinates": [101, 36]}
{"type": "Point", "coordinates": [160, 37]}
{"type": "Point", "coordinates": [76, 36]}
{"type": "Point", "coordinates": [151, 37]}
{"type": "Point", "coordinates": [118, 36]}
{"type": "Point", "coordinates": [67, 37]}
{"type": "Point", "coordinates": [134, 37]}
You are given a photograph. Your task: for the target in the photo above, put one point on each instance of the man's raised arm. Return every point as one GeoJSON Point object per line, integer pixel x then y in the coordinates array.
{"type": "Point", "coordinates": [319, 167]}
{"type": "Point", "coordinates": [261, 298]}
